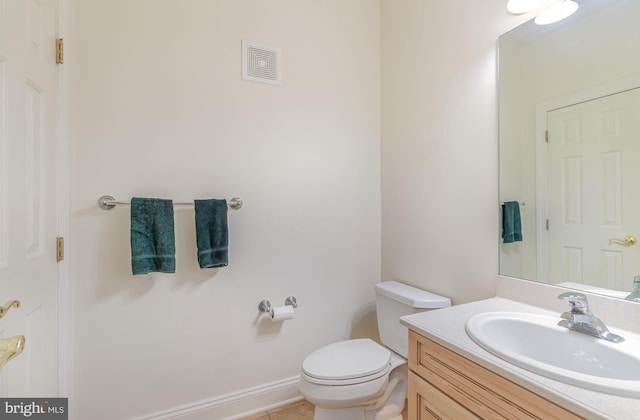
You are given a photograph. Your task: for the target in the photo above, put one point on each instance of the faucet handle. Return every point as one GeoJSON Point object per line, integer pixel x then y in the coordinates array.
{"type": "Point", "coordinates": [578, 302]}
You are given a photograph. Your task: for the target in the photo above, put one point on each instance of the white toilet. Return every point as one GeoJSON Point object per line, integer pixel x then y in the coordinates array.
{"type": "Point", "coordinates": [360, 379]}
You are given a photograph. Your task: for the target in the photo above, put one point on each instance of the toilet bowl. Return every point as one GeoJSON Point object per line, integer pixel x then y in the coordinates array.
{"type": "Point", "coordinates": [354, 376]}
{"type": "Point", "coordinates": [360, 379]}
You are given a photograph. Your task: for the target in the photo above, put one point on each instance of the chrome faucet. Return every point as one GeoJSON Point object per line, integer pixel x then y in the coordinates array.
{"type": "Point", "coordinates": [581, 319]}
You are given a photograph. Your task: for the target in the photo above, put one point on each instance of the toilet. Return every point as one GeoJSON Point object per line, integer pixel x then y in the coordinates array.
{"type": "Point", "coordinates": [360, 379]}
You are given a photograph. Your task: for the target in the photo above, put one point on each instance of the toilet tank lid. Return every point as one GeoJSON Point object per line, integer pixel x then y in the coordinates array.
{"type": "Point", "coordinates": [416, 298]}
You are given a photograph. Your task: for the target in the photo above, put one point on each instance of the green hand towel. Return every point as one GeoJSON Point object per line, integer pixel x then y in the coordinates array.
{"type": "Point", "coordinates": [152, 236]}
{"type": "Point", "coordinates": [212, 234]}
{"type": "Point", "coordinates": [511, 226]}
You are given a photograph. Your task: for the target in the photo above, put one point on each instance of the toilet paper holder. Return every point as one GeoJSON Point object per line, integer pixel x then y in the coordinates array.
{"type": "Point", "coordinates": [265, 305]}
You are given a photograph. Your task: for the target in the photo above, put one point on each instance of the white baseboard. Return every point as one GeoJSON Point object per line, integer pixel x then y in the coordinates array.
{"type": "Point", "coordinates": [235, 405]}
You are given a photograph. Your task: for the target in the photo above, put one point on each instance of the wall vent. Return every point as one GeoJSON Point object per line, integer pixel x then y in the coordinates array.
{"type": "Point", "coordinates": [261, 64]}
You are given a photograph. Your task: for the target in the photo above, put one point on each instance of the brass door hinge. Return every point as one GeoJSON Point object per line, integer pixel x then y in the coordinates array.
{"type": "Point", "coordinates": [59, 51]}
{"type": "Point", "coordinates": [546, 136]}
{"type": "Point", "coordinates": [59, 249]}
{"type": "Point", "coordinates": [547, 224]}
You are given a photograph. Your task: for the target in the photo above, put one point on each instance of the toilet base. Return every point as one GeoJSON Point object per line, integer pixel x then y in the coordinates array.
{"type": "Point", "coordinates": [387, 407]}
{"type": "Point", "coordinates": [353, 413]}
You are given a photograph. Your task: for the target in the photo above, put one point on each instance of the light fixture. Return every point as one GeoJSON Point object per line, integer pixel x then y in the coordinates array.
{"type": "Point", "coordinates": [518, 7]}
{"type": "Point", "coordinates": [557, 12]}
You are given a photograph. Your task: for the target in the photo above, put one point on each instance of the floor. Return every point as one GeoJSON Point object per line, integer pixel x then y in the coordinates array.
{"type": "Point", "coordinates": [301, 410]}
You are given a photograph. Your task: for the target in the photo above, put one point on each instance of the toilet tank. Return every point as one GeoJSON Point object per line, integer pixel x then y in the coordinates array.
{"type": "Point", "coordinates": [395, 299]}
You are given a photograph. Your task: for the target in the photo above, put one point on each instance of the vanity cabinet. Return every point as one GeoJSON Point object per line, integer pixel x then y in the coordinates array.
{"type": "Point", "coordinates": [445, 385]}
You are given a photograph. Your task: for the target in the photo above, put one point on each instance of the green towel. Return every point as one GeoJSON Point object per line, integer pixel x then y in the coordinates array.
{"type": "Point", "coordinates": [153, 245]}
{"type": "Point", "coordinates": [212, 234]}
{"type": "Point", "coordinates": [511, 226]}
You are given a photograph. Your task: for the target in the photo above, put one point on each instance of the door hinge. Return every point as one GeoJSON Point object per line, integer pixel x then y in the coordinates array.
{"type": "Point", "coordinates": [546, 136]}
{"type": "Point", "coordinates": [59, 51]}
{"type": "Point", "coordinates": [59, 249]}
{"type": "Point", "coordinates": [547, 224]}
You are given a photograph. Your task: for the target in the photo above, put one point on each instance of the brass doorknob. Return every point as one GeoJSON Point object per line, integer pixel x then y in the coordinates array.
{"type": "Point", "coordinates": [11, 347]}
{"type": "Point", "coordinates": [626, 241]}
{"type": "Point", "coordinates": [11, 304]}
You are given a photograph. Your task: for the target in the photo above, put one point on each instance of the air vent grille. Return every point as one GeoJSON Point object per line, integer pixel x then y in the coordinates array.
{"type": "Point", "coordinates": [261, 64]}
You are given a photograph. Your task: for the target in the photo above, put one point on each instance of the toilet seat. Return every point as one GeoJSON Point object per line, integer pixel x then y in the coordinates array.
{"type": "Point", "coordinates": [347, 362]}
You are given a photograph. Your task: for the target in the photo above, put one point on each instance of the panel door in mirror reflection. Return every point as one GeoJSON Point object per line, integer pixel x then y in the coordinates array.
{"type": "Point", "coordinates": [593, 195]}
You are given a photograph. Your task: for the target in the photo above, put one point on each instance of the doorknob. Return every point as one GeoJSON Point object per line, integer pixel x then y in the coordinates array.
{"type": "Point", "coordinates": [11, 347]}
{"type": "Point", "coordinates": [626, 241]}
{"type": "Point", "coordinates": [11, 304]}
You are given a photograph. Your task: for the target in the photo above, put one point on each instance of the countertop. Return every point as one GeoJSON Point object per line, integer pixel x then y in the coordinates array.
{"type": "Point", "coordinates": [447, 327]}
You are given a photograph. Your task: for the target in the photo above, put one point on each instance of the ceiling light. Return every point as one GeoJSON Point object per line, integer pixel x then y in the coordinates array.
{"type": "Point", "coordinates": [518, 7]}
{"type": "Point", "coordinates": [557, 12]}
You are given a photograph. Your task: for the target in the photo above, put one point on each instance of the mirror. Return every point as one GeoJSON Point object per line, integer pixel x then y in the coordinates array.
{"type": "Point", "coordinates": [579, 81]}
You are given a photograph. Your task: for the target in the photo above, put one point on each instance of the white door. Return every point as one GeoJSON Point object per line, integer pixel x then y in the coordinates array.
{"type": "Point", "coordinates": [594, 168]}
{"type": "Point", "coordinates": [28, 182]}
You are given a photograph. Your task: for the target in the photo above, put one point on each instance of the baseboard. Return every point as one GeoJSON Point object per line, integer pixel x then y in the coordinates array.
{"type": "Point", "coordinates": [235, 405]}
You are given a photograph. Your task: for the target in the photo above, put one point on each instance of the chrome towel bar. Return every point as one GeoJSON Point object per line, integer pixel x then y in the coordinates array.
{"type": "Point", "coordinates": [107, 202]}
{"type": "Point", "coordinates": [522, 203]}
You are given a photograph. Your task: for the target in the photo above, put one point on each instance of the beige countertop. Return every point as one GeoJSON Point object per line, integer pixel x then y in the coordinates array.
{"type": "Point", "coordinates": [447, 327]}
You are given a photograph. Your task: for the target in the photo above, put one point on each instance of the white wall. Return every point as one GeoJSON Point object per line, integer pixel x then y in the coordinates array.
{"type": "Point", "coordinates": [159, 110]}
{"type": "Point", "coordinates": [439, 144]}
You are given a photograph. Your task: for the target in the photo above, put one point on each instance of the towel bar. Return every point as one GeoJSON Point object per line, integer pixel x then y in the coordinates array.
{"type": "Point", "coordinates": [522, 204]}
{"type": "Point", "coordinates": [107, 202]}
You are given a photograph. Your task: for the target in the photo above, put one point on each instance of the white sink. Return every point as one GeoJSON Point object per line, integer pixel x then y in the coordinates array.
{"type": "Point", "coordinates": [537, 343]}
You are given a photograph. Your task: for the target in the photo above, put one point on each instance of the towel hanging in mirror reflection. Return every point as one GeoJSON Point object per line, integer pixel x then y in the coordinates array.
{"type": "Point", "coordinates": [511, 222]}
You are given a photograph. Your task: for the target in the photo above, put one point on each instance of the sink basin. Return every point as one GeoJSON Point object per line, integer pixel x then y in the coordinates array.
{"type": "Point", "coordinates": [538, 344]}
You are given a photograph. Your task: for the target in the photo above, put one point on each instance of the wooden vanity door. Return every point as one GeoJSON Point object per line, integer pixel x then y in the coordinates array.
{"type": "Point", "coordinates": [426, 402]}
{"type": "Point", "coordinates": [445, 385]}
